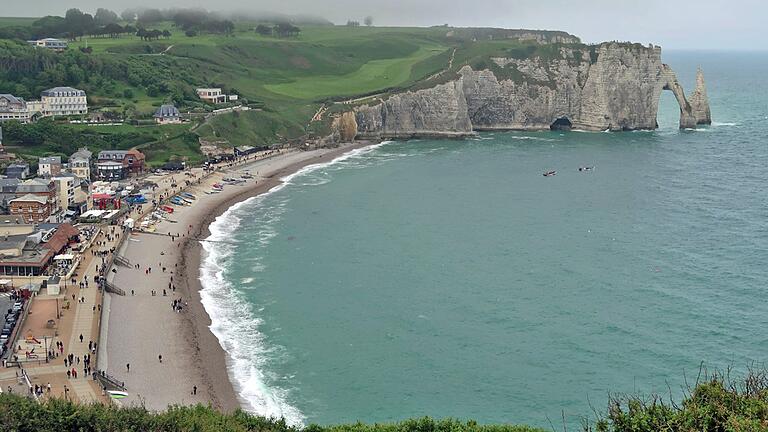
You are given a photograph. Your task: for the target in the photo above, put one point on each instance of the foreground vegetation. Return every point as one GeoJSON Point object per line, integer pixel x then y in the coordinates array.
{"type": "Point", "coordinates": [715, 404]}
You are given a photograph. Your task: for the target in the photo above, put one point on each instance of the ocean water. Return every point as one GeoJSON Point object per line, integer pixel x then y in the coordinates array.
{"type": "Point", "coordinates": [450, 278]}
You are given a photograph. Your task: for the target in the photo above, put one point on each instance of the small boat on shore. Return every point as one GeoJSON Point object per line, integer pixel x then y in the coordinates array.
{"type": "Point", "coordinates": [550, 173]}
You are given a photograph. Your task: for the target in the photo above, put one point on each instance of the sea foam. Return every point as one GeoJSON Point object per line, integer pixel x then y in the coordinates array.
{"type": "Point", "coordinates": [234, 321]}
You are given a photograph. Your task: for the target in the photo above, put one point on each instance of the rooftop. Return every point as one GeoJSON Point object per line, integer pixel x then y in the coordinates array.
{"type": "Point", "coordinates": [167, 111]}
{"type": "Point", "coordinates": [56, 90]}
{"type": "Point", "coordinates": [49, 160]}
{"type": "Point", "coordinates": [82, 153]}
{"type": "Point", "coordinates": [11, 98]}
{"type": "Point", "coordinates": [37, 254]}
{"type": "Point", "coordinates": [30, 198]}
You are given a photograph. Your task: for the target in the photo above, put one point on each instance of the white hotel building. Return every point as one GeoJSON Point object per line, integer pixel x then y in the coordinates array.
{"type": "Point", "coordinates": [63, 101]}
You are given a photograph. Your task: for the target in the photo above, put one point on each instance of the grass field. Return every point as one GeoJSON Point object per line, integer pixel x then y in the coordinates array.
{"type": "Point", "coordinates": [288, 77]}
{"type": "Point", "coordinates": [375, 74]}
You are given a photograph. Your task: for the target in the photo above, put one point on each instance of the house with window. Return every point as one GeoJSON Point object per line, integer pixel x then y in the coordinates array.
{"type": "Point", "coordinates": [119, 164]}
{"type": "Point", "coordinates": [33, 209]}
{"type": "Point", "coordinates": [13, 108]}
{"type": "Point", "coordinates": [167, 114]}
{"type": "Point", "coordinates": [43, 188]}
{"type": "Point", "coordinates": [52, 44]}
{"type": "Point", "coordinates": [49, 166]}
{"type": "Point", "coordinates": [211, 95]}
{"type": "Point", "coordinates": [62, 101]}
{"type": "Point", "coordinates": [80, 163]}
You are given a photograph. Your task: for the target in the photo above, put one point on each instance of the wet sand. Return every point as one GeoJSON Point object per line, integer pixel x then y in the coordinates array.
{"type": "Point", "coordinates": [142, 326]}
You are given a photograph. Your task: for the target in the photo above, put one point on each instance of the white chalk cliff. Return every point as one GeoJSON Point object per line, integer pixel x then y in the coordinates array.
{"type": "Point", "coordinates": [612, 86]}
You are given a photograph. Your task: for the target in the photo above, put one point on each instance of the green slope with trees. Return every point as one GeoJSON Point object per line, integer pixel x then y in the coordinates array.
{"type": "Point", "coordinates": [283, 68]}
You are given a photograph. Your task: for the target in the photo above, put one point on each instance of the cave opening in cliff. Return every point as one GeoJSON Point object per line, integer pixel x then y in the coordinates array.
{"type": "Point", "coordinates": [562, 124]}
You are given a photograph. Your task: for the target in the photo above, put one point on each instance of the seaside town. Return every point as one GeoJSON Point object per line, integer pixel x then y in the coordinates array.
{"type": "Point", "coordinates": [65, 231]}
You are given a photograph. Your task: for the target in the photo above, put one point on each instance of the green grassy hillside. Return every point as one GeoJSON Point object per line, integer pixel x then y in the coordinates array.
{"type": "Point", "coordinates": [287, 79]}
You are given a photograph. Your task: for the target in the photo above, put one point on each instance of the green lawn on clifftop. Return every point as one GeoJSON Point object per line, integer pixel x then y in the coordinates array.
{"type": "Point", "coordinates": [287, 79]}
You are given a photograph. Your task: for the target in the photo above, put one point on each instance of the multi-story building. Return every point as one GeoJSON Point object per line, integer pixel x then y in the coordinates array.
{"type": "Point", "coordinates": [43, 188]}
{"type": "Point", "coordinates": [13, 108]}
{"type": "Point", "coordinates": [118, 164]}
{"type": "Point", "coordinates": [67, 186]}
{"type": "Point", "coordinates": [33, 208]}
{"type": "Point", "coordinates": [212, 95]}
{"type": "Point", "coordinates": [49, 166]}
{"type": "Point", "coordinates": [63, 101]}
{"type": "Point", "coordinates": [80, 163]}
{"type": "Point", "coordinates": [50, 43]}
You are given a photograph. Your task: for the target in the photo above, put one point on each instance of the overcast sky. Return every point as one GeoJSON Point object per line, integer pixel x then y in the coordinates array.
{"type": "Point", "coordinates": [675, 24]}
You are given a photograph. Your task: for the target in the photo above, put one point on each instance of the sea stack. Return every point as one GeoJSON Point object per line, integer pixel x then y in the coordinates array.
{"type": "Point", "coordinates": [700, 101]}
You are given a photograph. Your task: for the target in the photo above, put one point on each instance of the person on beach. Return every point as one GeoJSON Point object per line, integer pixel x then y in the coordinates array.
{"type": "Point", "coordinates": [194, 390]}
{"type": "Point", "coordinates": [160, 357]}
{"type": "Point", "coordinates": [128, 367]}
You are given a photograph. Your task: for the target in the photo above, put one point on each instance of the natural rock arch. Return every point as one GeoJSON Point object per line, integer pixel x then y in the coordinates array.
{"type": "Point", "coordinates": [669, 82]}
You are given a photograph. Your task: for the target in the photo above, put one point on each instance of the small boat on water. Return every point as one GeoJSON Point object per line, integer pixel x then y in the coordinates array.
{"type": "Point", "coordinates": [550, 173]}
{"type": "Point", "coordinates": [586, 168]}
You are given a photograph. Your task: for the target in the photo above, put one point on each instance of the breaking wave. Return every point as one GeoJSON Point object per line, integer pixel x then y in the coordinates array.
{"type": "Point", "coordinates": [234, 321]}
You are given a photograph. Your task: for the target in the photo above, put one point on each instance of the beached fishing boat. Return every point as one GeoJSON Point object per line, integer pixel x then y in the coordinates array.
{"type": "Point", "coordinates": [116, 394]}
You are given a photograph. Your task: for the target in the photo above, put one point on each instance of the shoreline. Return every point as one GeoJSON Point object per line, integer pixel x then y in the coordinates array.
{"type": "Point", "coordinates": [197, 353]}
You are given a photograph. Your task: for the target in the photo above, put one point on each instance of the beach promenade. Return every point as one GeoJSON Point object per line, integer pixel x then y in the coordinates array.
{"type": "Point", "coordinates": [142, 325]}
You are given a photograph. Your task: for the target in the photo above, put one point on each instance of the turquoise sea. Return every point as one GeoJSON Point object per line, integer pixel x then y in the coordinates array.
{"type": "Point", "coordinates": [450, 278]}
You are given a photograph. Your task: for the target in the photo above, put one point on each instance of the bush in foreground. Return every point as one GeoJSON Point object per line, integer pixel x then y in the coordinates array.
{"type": "Point", "coordinates": [714, 404]}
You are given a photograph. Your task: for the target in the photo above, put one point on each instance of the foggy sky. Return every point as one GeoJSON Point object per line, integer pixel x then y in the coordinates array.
{"type": "Point", "coordinates": [673, 24]}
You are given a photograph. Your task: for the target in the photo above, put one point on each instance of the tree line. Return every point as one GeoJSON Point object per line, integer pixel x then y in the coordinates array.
{"type": "Point", "coordinates": [283, 29]}
{"type": "Point", "coordinates": [76, 24]}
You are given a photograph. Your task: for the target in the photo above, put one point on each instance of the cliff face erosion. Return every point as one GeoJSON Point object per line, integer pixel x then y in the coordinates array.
{"type": "Point", "coordinates": [612, 86]}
